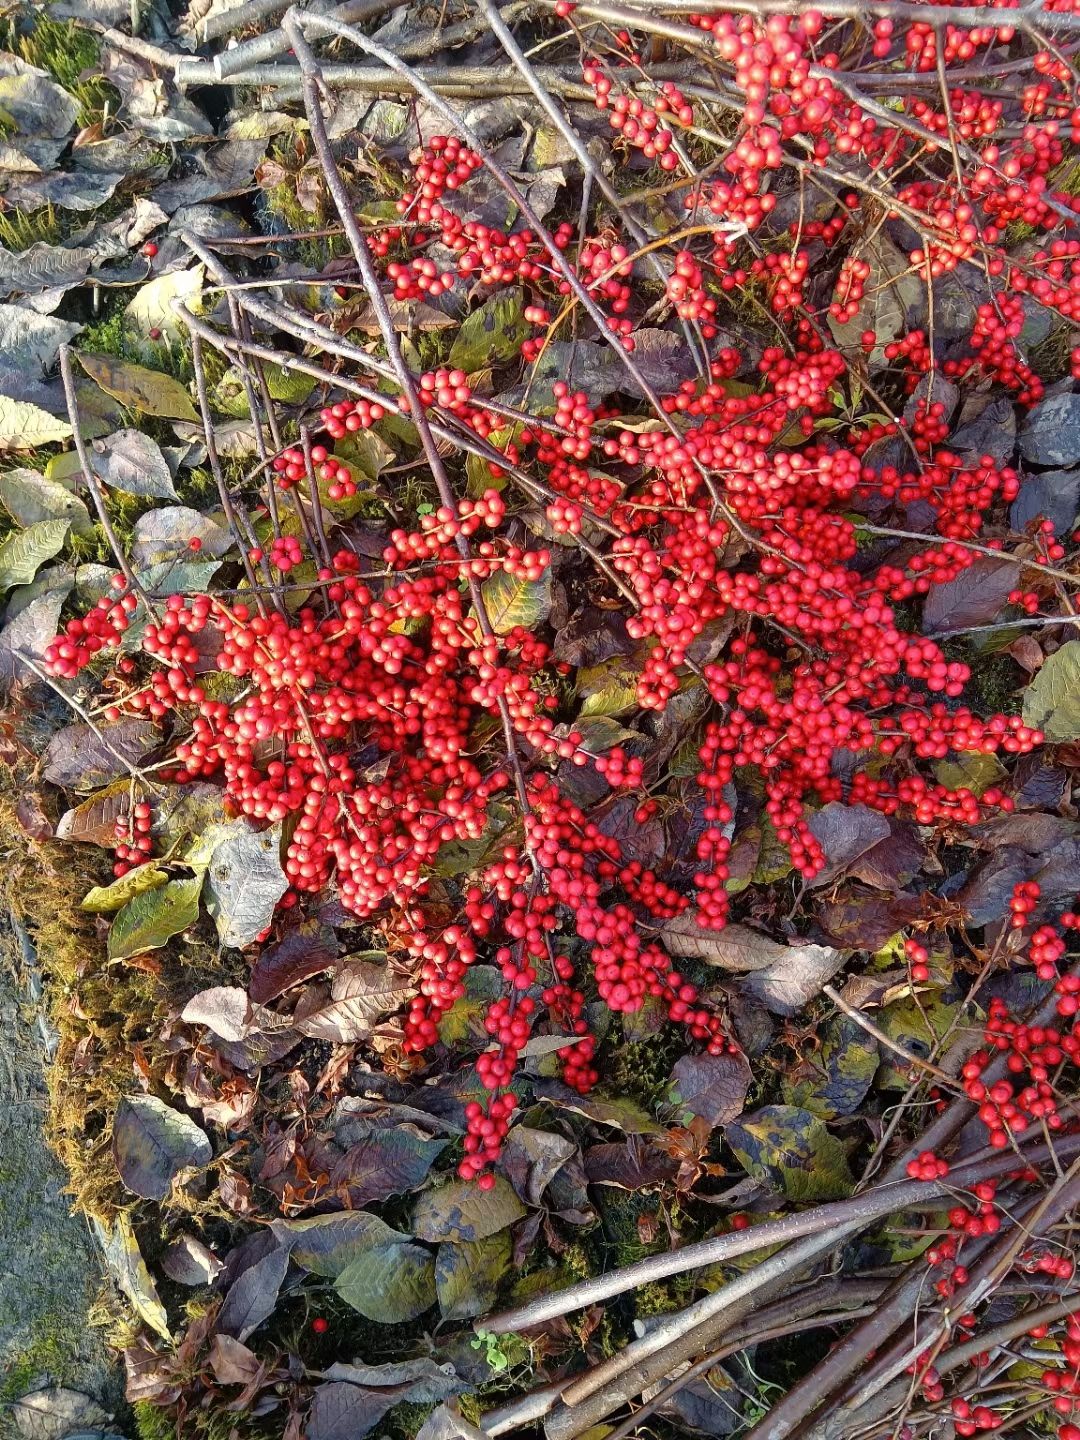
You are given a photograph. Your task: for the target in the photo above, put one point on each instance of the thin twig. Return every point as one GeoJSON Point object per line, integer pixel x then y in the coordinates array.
{"type": "Point", "coordinates": [211, 445]}
{"type": "Point", "coordinates": [316, 498]}
{"type": "Point", "coordinates": [91, 478]}
{"type": "Point", "coordinates": [913, 1061]}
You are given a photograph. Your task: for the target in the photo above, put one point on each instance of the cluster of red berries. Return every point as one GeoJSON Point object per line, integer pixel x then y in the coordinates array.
{"type": "Point", "coordinates": [346, 418]}
{"type": "Point", "coordinates": [993, 338]}
{"type": "Point", "coordinates": [692, 301]}
{"type": "Point", "coordinates": [850, 285]}
{"type": "Point", "coordinates": [441, 165]}
{"type": "Point", "coordinates": [286, 553]}
{"type": "Point", "coordinates": [927, 1166]}
{"type": "Point", "coordinates": [620, 769]}
{"type": "Point", "coordinates": [637, 122]}
{"type": "Point", "coordinates": [85, 635]}
{"type": "Point", "coordinates": [134, 841]}
{"type": "Point", "coordinates": [485, 1132]}
{"type": "Point", "coordinates": [970, 1419]}
{"type": "Point", "coordinates": [918, 958]}
{"type": "Point", "coordinates": [291, 467]}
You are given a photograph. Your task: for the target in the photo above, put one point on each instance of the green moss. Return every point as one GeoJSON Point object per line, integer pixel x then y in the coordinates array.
{"type": "Point", "coordinates": [105, 336]}
{"type": "Point", "coordinates": [1050, 358]}
{"type": "Point", "coordinates": [56, 1352]}
{"type": "Point", "coordinates": [46, 1355]}
{"type": "Point", "coordinates": [996, 681]}
{"type": "Point", "coordinates": [200, 489]}
{"type": "Point", "coordinates": [471, 1408]}
{"type": "Point", "coordinates": [404, 1421]}
{"type": "Point", "coordinates": [654, 1300]}
{"type": "Point", "coordinates": [152, 1423]}
{"type": "Point", "coordinates": [19, 230]}
{"type": "Point", "coordinates": [624, 1215]}
{"type": "Point", "coordinates": [89, 549]}
{"type": "Point", "coordinates": [575, 1260]}
{"type": "Point", "coordinates": [641, 1069]}
{"type": "Point", "coordinates": [1066, 177]}
{"type": "Point", "coordinates": [283, 214]}
{"type": "Point", "coordinates": [67, 52]}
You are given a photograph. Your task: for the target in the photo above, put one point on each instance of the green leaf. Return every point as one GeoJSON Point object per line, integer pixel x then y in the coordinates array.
{"type": "Point", "coordinates": [389, 1283]}
{"type": "Point", "coordinates": [378, 212]}
{"type": "Point", "coordinates": [328, 1244]}
{"type": "Point", "coordinates": [24, 426]}
{"type": "Point", "coordinates": [625, 1114]}
{"type": "Point", "coordinates": [491, 335]}
{"type": "Point", "coordinates": [511, 601]}
{"type": "Point", "coordinates": [25, 551]}
{"type": "Point", "coordinates": [152, 1143]}
{"type": "Point", "coordinates": [151, 920]}
{"type": "Point", "coordinates": [600, 733]}
{"type": "Point", "coordinates": [463, 1023]}
{"type": "Point", "coordinates": [609, 688]}
{"type": "Point", "coordinates": [774, 857]}
{"type": "Point", "coordinates": [834, 1080]}
{"type": "Point", "coordinates": [457, 856]}
{"type": "Point", "coordinates": [792, 1150]}
{"type": "Point", "coordinates": [128, 1268]}
{"type": "Point", "coordinates": [477, 469]}
{"type": "Point", "coordinates": [104, 899]}
{"type": "Point", "coordinates": [29, 498]}
{"type": "Point", "coordinates": [289, 386]}
{"type": "Point", "coordinates": [65, 468]}
{"type": "Point", "coordinates": [917, 1024]}
{"type": "Point", "coordinates": [971, 770]}
{"type": "Point", "coordinates": [132, 462]}
{"type": "Point", "coordinates": [147, 391]}
{"type": "Point", "coordinates": [468, 1274]}
{"type": "Point", "coordinates": [245, 883]}
{"type": "Point", "coordinates": [1052, 700]}
{"type": "Point", "coordinates": [167, 577]}
{"type": "Point", "coordinates": [366, 451]}
{"type": "Point", "coordinates": [462, 1211]}
{"type": "Point", "coordinates": [185, 812]}
{"type": "Point", "coordinates": [53, 580]}
{"type": "Point", "coordinates": [151, 309]}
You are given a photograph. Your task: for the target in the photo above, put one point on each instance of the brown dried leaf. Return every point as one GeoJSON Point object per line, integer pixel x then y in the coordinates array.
{"type": "Point", "coordinates": [361, 993]}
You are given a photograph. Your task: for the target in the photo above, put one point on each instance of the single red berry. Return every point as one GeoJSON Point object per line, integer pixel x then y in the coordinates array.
{"type": "Point", "coordinates": [150, 249]}
{"type": "Point", "coordinates": [195, 544]}
{"type": "Point", "coordinates": [320, 1325]}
